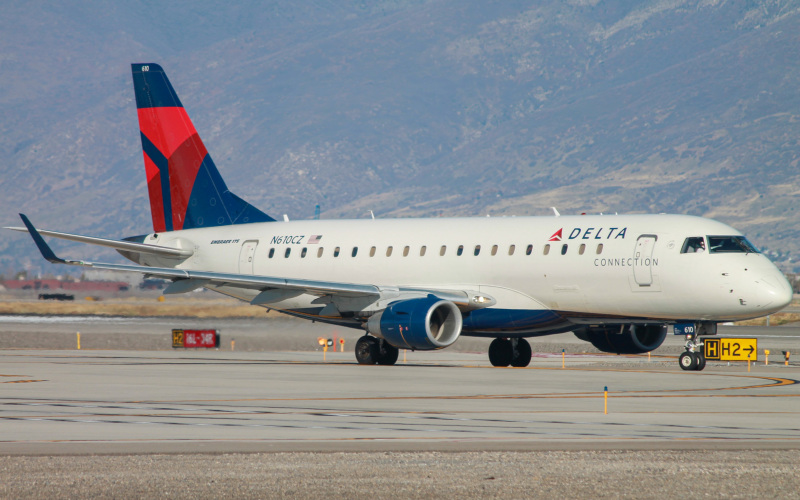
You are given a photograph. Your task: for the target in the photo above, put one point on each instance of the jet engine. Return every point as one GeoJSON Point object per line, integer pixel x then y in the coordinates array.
{"type": "Point", "coordinates": [625, 339]}
{"type": "Point", "coordinates": [425, 323]}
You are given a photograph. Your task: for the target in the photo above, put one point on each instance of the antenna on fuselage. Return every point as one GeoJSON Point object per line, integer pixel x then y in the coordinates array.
{"type": "Point", "coordinates": [285, 218]}
{"type": "Point", "coordinates": [316, 212]}
{"type": "Point", "coordinates": [556, 212]}
{"type": "Point", "coordinates": [371, 214]}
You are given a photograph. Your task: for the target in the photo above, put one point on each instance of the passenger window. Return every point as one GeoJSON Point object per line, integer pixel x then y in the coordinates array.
{"type": "Point", "coordinates": [422, 251]}
{"type": "Point", "coordinates": [564, 249]}
{"type": "Point", "coordinates": [319, 252]}
{"type": "Point", "coordinates": [460, 250]}
{"type": "Point", "coordinates": [405, 251]}
{"type": "Point", "coordinates": [372, 252]}
{"type": "Point", "coordinates": [694, 244]}
{"type": "Point", "coordinates": [443, 250]}
{"type": "Point", "coordinates": [355, 251]}
{"type": "Point", "coordinates": [336, 252]}
{"type": "Point", "coordinates": [529, 250]}
{"type": "Point", "coordinates": [271, 252]}
{"type": "Point", "coordinates": [494, 249]}
{"type": "Point", "coordinates": [303, 253]}
{"type": "Point", "coordinates": [388, 251]}
{"type": "Point", "coordinates": [477, 250]}
{"type": "Point", "coordinates": [511, 249]}
{"type": "Point", "coordinates": [599, 248]}
{"type": "Point", "coordinates": [582, 249]}
{"type": "Point", "coordinates": [546, 249]}
{"type": "Point", "coordinates": [288, 251]}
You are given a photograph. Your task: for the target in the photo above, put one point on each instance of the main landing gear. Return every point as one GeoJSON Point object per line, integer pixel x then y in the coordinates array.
{"type": "Point", "coordinates": [513, 352]}
{"type": "Point", "coordinates": [371, 351]}
{"type": "Point", "coordinates": [502, 352]}
{"type": "Point", "coordinates": [693, 358]}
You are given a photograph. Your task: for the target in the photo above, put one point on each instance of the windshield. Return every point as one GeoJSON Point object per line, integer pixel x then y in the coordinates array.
{"type": "Point", "coordinates": [730, 244]}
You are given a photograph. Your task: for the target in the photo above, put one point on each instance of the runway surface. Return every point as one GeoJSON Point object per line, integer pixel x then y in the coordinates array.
{"type": "Point", "coordinates": [102, 401]}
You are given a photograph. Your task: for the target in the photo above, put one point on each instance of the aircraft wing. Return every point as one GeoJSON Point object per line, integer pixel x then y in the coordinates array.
{"type": "Point", "coordinates": [272, 289]}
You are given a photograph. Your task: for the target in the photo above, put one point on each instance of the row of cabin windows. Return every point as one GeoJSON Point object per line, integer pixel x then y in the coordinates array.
{"type": "Point", "coordinates": [442, 251]}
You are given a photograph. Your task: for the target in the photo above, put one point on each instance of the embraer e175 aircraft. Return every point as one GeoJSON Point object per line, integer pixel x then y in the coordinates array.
{"type": "Point", "coordinates": [617, 281]}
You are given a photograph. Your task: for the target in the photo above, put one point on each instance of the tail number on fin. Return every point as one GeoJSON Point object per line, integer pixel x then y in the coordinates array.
{"type": "Point", "coordinates": [145, 68]}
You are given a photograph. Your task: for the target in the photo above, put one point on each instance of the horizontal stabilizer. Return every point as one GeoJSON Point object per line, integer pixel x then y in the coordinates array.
{"type": "Point", "coordinates": [116, 244]}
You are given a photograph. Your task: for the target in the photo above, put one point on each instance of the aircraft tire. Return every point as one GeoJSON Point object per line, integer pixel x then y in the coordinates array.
{"type": "Point", "coordinates": [367, 350]}
{"type": "Point", "coordinates": [701, 362]}
{"type": "Point", "coordinates": [688, 361]}
{"type": "Point", "coordinates": [501, 352]}
{"type": "Point", "coordinates": [387, 353]}
{"type": "Point", "coordinates": [522, 354]}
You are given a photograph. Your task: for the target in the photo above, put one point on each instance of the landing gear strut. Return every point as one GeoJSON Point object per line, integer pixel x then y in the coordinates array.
{"type": "Point", "coordinates": [693, 359]}
{"type": "Point", "coordinates": [514, 352]}
{"type": "Point", "coordinates": [370, 351]}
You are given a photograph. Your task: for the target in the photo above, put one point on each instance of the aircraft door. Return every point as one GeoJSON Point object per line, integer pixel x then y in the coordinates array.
{"type": "Point", "coordinates": [247, 256]}
{"type": "Point", "coordinates": [643, 259]}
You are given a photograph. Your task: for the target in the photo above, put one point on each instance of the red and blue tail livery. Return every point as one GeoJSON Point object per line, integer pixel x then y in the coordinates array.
{"type": "Point", "coordinates": [185, 187]}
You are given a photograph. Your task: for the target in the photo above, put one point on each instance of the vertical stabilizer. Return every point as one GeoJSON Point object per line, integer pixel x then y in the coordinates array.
{"type": "Point", "coordinates": [185, 187]}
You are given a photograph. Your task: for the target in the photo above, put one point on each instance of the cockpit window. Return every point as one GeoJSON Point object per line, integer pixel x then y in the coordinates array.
{"type": "Point", "coordinates": [730, 244]}
{"type": "Point", "coordinates": [695, 244]}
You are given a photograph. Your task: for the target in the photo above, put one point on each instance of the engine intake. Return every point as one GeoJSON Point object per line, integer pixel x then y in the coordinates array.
{"type": "Point", "coordinates": [625, 339]}
{"type": "Point", "coordinates": [425, 323]}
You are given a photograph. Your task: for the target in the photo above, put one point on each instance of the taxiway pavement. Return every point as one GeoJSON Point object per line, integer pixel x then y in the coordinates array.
{"type": "Point", "coordinates": [106, 401]}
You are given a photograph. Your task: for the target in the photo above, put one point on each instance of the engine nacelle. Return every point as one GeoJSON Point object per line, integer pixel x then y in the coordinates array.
{"type": "Point", "coordinates": [625, 339]}
{"type": "Point", "coordinates": [425, 323]}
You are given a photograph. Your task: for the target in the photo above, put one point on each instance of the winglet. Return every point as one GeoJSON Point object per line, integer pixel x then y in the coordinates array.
{"type": "Point", "coordinates": [47, 252]}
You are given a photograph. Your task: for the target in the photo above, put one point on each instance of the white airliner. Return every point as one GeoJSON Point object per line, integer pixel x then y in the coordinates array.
{"type": "Point", "coordinates": [617, 281]}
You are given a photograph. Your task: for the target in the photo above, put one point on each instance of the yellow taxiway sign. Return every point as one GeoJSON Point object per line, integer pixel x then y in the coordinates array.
{"type": "Point", "coordinates": [728, 349]}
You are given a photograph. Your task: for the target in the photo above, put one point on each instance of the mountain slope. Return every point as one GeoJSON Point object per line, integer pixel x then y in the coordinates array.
{"type": "Point", "coordinates": [418, 108]}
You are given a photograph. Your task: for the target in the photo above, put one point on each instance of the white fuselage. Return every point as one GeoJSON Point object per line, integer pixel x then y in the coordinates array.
{"type": "Point", "coordinates": [603, 269]}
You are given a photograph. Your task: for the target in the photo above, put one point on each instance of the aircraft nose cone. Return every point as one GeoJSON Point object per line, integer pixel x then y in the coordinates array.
{"type": "Point", "coordinates": [773, 293]}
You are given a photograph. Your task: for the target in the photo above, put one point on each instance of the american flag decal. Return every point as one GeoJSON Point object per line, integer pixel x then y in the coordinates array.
{"type": "Point", "coordinates": [314, 239]}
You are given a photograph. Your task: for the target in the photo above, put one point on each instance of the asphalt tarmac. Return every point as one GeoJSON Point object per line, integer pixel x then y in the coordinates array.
{"type": "Point", "coordinates": [279, 406]}
{"type": "Point", "coordinates": [115, 401]}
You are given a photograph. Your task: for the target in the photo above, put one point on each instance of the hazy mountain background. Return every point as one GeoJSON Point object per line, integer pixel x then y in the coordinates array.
{"type": "Point", "coordinates": [410, 108]}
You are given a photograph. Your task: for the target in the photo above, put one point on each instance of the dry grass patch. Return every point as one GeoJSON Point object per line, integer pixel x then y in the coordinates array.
{"type": "Point", "coordinates": [219, 308]}
{"type": "Point", "coordinates": [776, 319]}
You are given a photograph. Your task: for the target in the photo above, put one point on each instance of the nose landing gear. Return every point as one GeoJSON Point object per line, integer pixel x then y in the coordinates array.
{"type": "Point", "coordinates": [693, 359]}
